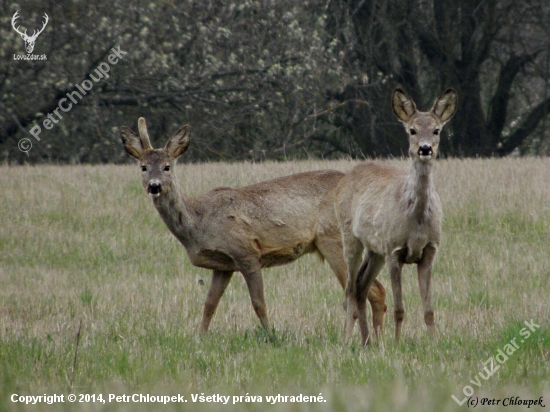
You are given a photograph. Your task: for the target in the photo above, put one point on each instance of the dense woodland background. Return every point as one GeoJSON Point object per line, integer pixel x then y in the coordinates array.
{"type": "Point", "coordinates": [277, 79]}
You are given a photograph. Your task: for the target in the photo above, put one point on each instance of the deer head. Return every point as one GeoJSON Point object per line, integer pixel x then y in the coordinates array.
{"type": "Point", "coordinates": [29, 40]}
{"type": "Point", "coordinates": [156, 164]}
{"type": "Point", "coordinates": [424, 128]}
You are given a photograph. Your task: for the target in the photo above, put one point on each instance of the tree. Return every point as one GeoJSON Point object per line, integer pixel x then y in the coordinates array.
{"type": "Point", "coordinates": [495, 53]}
{"type": "Point", "coordinates": [274, 79]}
{"type": "Point", "coordinates": [244, 74]}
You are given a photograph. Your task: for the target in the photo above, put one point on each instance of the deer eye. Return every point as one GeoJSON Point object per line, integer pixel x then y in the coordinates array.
{"type": "Point", "coordinates": [167, 168]}
{"type": "Point", "coordinates": [436, 132]}
{"type": "Point", "coordinates": [144, 168]}
{"type": "Point", "coordinates": [413, 131]}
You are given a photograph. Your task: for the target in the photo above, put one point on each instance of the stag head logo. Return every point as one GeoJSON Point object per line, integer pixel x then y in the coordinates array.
{"type": "Point", "coordinates": [29, 40]}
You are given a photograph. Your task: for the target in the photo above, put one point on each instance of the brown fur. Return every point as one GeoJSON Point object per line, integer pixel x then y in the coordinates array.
{"type": "Point", "coordinates": [262, 225]}
{"type": "Point", "coordinates": [393, 215]}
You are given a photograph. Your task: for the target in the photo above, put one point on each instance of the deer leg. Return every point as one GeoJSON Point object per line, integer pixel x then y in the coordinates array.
{"type": "Point", "coordinates": [255, 284]}
{"type": "Point", "coordinates": [370, 268]}
{"type": "Point", "coordinates": [395, 266]}
{"type": "Point", "coordinates": [332, 252]}
{"type": "Point", "coordinates": [220, 280]}
{"type": "Point", "coordinates": [424, 268]}
{"type": "Point", "coordinates": [352, 253]}
{"type": "Point", "coordinates": [377, 299]}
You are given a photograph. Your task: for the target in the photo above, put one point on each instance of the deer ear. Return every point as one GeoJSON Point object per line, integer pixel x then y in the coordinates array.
{"type": "Point", "coordinates": [179, 143]}
{"type": "Point", "coordinates": [402, 105]}
{"type": "Point", "coordinates": [445, 106]}
{"type": "Point", "coordinates": [131, 142]}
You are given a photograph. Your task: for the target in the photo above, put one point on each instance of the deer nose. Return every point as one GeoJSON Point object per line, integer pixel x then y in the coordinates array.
{"type": "Point", "coordinates": [425, 150]}
{"type": "Point", "coordinates": [154, 188]}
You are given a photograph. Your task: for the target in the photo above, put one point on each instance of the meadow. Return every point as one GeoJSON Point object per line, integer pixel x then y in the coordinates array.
{"type": "Point", "coordinates": [97, 297]}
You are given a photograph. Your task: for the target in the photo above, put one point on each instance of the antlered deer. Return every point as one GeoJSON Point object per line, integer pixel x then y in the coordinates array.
{"type": "Point", "coordinates": [226, 230]}
{"type": "Point", "coordinates": [394, 215]}
{"type": "Point", "coordinates": [29, 40]}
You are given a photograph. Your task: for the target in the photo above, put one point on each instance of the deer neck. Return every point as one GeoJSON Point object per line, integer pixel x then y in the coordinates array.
{"type": "Point", "coordinates": [419, 190]}
{"type": "Point", "coordinates": [178, 212]}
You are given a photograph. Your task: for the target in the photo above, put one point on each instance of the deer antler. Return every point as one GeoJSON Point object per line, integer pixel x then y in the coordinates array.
{"type": "Point", "coordinates": [143, 135]}
{"type": "Point", "coordinates": [29, 40]}
{"type": "Point", "coordinates": [13, 19]}
{"type": "Point", "coordinates": [35, 34]}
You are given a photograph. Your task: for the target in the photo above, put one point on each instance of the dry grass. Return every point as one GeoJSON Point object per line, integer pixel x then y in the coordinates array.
{"type": "Point", "coordinates": [85, 243]}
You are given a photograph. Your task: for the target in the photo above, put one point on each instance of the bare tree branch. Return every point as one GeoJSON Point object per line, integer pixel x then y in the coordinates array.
{"type": "Point", "coordinates": [526, 128]}
{"type": "Point", "coordinates": [498, 106]}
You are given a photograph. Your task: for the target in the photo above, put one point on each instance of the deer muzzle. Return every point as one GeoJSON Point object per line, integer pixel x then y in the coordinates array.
{"type": "Point", "coordinates": [425, 152]}
{"type": "Point", "coordinates": [154, 188]}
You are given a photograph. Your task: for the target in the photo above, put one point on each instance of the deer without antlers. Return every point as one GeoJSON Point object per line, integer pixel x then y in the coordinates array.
{"type": "Point", "coordinates": [29, 40]}
{"type": "Point", "coordinates": [394, 215]}
{"type": "Point", "coordinates": [227, 230]}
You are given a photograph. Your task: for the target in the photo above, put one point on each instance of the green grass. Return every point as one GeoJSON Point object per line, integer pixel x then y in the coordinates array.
{"type": "Point", "coordinates": [84, 244]}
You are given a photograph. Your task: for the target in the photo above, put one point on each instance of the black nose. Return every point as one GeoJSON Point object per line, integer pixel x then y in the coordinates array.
{"type": "Point", "coordinates": [154, 188]}
{"type": "Point", "coordinates": [425, 150]}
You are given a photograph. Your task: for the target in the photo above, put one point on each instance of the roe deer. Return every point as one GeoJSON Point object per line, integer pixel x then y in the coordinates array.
{"type": "Point", "coordinates": [394, 214]}
{"type": "Point", "coordinates": [226, 230]}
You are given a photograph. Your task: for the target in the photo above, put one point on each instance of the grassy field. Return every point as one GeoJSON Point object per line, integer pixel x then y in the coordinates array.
{"type": "Point", "coordinates": [84, 245]}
